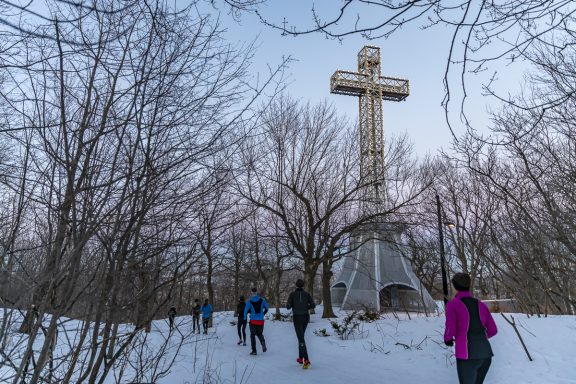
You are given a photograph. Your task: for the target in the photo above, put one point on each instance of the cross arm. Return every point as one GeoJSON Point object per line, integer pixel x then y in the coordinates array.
{"type": "Point", "coordinates": [348, 83]}
{"type": "Point", "coordinates": [393, 89]}
{"type": "Point", "coordinates": [358, 84]}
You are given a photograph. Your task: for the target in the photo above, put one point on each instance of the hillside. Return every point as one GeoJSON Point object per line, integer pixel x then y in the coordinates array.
{"type": "Point", "coordinates": [394, 349]}
{"type": "Point", "coordinates": [390, 350]}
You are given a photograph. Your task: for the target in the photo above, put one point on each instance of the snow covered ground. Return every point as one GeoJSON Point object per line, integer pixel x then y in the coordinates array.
{"type": "Point", "coordinates": [395, 349]}
{"type": "Point", "coordinates": [392, 351]}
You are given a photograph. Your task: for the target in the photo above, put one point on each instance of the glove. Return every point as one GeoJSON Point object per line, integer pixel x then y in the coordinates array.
{"type": "Point", "coordinates": [449, 343]}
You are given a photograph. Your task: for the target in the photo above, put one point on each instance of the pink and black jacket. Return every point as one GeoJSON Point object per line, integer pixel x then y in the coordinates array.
{"type": "Point", "coordinates": [470, 324]}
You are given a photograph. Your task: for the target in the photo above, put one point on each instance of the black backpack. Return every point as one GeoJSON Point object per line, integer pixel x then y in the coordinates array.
{"type": "Point", "coordinates": [257, 305]}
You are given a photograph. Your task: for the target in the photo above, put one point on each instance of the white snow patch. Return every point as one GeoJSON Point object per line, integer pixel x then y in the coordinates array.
{"type": "Point", "coordinates": [391, 350]}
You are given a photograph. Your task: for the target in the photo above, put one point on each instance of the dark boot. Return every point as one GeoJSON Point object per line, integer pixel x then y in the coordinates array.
{"type": "Point", "coordinates": [264, 349]}
{"type": "Point", "coordinates": [253, 353]}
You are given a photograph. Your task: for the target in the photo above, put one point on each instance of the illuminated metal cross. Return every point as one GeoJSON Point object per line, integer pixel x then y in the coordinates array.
{"type": "Point", "coordinates": [371, 88]}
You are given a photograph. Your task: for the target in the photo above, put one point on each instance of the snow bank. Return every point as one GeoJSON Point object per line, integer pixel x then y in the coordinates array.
{"type": "Point", "coordinates": [395, 349]}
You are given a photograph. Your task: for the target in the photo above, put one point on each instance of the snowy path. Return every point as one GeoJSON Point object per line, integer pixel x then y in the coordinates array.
{"type": "Point", "coordinates": [377, 358]}
{"type": "Point", "coordinates": [395, 351]}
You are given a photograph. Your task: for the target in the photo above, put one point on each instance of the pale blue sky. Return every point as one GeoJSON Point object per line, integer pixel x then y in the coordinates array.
{"type": "Point", "coordinates": [412, 53]}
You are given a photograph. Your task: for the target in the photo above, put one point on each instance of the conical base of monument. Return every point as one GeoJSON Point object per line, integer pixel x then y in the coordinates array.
{"type": "Point", "coordinates": [377, 275]}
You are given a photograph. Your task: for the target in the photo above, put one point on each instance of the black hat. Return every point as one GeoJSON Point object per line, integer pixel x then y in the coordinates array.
{"type": "Point", "coordinates": [254, 289]}
{"type": "Point", "coordinates": [300, 283]}
{"type": "Point", "coordinates": [461, 281]}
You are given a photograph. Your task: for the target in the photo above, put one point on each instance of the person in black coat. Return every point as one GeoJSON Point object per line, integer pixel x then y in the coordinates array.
{"type": "Point", "coordinates": [300, 302]}
{"type": "Point", "coordinates": [196, 316]}
{"type": "Point", "coordinates": [241, 322]}
{"type": "Point", "coordinates": [171, 316]}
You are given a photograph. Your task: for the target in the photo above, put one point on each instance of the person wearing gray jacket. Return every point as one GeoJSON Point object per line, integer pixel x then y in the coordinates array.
{"type": "Point", "coordinates": [300, 302]}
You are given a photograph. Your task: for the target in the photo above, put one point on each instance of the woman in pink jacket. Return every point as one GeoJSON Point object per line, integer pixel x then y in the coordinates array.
{"type": "Point", "coordinates": [469, 324]}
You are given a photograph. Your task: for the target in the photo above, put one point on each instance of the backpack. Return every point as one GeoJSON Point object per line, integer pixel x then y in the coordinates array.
{"type": "Point", "coordinates": [257, 305]}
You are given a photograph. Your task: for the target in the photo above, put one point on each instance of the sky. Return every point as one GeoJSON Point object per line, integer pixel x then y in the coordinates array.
{"type": "Point", "coordinates": [411, 53]}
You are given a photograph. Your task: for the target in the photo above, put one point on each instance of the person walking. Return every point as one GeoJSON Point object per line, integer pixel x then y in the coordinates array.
{"type": "Point", "coordinates": [258, 308]}
{"type": "Point", "coordinates": [196, 316]}
{"type": "Point", "coordinates": [300, 302]}
{"type": "Point", "coordinates": [469, 324]}
{"type": "Point", "coordinates": [206, 310]}
{"type": "Point", "coordinates": [241, 322]}
{"type": "Point", "coordinates": [171, 316]}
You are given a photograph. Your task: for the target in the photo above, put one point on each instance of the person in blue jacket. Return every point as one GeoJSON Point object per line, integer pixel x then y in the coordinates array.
{"type": "Point", "coordinates": [206, 310]}
{"type": "Point", "coordinates": [257, 307]}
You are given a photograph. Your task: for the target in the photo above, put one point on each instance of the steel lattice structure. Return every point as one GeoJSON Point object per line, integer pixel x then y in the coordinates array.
{"type": "Point", "coordinates": [371, 88]}
{"type": "Point", "coordinates": [376, 274]}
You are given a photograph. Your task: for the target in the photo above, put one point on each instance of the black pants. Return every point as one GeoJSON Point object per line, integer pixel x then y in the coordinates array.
{"type": "Point", "coordinates": [256, 331]}
{"type": "Point", "coordinates": [195, 323]}
{"type": "Point", "coordinates": [242, 329]}
{"type": "Point", "coordinates": [472, 371]}
{"type": "Point", "coordinates": [300, 324]}
{"type": "Point", "coordinates": [205, 324]}
{"type": "Point", "coordinates": [171, 320]}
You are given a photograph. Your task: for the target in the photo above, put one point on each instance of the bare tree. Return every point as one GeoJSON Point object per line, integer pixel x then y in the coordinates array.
{"type": "Point", "coordinates": [468, 207]}
{"type": "Point", "coordinates": [528, 167]}
{"type": "Point", "coordinates": [303, 169]}
{"type": "Point", "coordinates": [114, 117]}
{"type": "Point", "coordinates": [25, 19]}
{"type": "Point", "coordinates": [216, 218]}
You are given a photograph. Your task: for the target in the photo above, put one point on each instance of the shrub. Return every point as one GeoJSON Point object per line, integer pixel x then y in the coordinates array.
{"type": "Point", "coordinates": [348, 327]}
{"type": "Point", "coordinates": [321, 332]}
{"type": "Point", "coordinates": [369, 316]}
{"type": "Point", "coordinates": [283, 317]}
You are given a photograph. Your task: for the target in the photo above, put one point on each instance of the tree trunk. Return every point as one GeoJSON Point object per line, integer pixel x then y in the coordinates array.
{"type": "Point", "coordinates": [237, 277]}
{"type": "Point", "coordinates": [209, 285]}
{"type": "Point", "coordinates": [326, 294]}
{"type": "Point", "coordinates": [277, 290]}
{"type": "Point", "coordinates": [309, 274]}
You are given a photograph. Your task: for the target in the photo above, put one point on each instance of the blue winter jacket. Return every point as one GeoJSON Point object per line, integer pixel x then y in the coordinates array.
{"type": "Point", "coordinates": [256, 308]}
{"type": "Point", "coordinates": [206, 311]}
